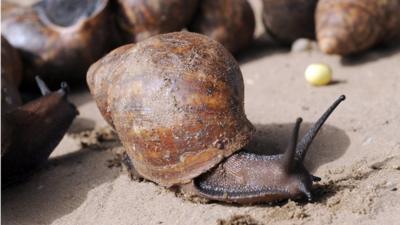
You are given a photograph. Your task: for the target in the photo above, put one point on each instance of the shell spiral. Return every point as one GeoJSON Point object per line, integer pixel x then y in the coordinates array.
{"type": "Point", "coordinates": [177, 103]}
{"type": "Point", "coordinates": [350, 26]}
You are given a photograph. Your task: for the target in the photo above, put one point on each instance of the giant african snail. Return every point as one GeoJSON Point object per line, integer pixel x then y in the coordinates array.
{"type": "Point", "coordinates": [176, 102]}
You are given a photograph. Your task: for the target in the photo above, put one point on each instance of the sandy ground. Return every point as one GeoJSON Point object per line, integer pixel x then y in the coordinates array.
{"type": "Point", "coordinates": [357, 153]}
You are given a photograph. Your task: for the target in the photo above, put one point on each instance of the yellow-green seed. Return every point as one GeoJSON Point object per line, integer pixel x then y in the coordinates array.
{"type": "Point", "coordinates": [318, 74]}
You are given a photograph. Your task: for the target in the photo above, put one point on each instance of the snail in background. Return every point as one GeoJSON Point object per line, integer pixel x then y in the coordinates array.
{"type": "Point", "coordinates": [176, 101]}
{"type": "Point", "coordinates": [11, 75]}
{"type": "Point", "coordinates": [141, 19]}
{"type": "Point", "coordinates": [58, 39]}
{"type": "Point", "coordinates": [288, 20]}
{"type": "Point", "coordinates": [30, 132]}
{"type": "Point", "coordinates": [230, 22]}
{"type": "Point", "coordinates": [351, 26]}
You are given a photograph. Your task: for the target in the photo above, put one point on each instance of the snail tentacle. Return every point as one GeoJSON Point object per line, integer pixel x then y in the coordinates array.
{"type": "Point", "coordinates": [289, 155]}
{"type": "Point", "coordinates": [306, 141]}
{"type": "Point", "coordinates": [44, 89]}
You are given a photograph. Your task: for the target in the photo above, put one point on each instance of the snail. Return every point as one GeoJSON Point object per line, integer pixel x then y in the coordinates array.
{"type": "Point", "coordinates": [230, 22]}
{"type": "Point", "coordinates": [11, 75]}
{"type": "Point", "coordinates": [58, 39]}
{"type": "Point", "coordinates": [30, 132]}
{"type": "Point", "coordinates": [288, 20]}
{"type": "Point", "coordinates": [176, 101]}
{"type": "Point", "coordinates": [350, 26]}
{"type": "Point", "coordinates": [141, 19]}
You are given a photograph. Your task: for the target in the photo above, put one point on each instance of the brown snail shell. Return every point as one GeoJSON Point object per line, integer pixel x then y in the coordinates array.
{"type": "Point", "coordinates": [141, 19]}
{"type": "Point", "coordinates": [350, 26]}
{"type": "Point", "coordinates": [58, 39]}
{"type": "Point", "coordinates": [22, 150]}
{"type": "Point", "coordinates": [176, 102]}
{"type": "Point", "coordinates": [230, 22]}
{"type": "Point", "coordinates": [182, 110]}
{"type": "Point", "coordinates": [288, 20]}
{"type": "Point", "coordinates": [101, 76]}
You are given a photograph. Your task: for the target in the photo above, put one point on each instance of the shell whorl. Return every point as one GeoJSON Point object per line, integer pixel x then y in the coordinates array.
{"type": "Point", "coordinates": [176, 102]}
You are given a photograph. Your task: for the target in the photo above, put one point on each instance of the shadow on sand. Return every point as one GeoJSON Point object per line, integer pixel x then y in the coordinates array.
{"type": "Point", "coordinates": [262, 46]}
{"type": "Point", "coordinates": [59, 188]}
{"type": "Point", "coordinates": [372, 55]}
{"type": "Point", "coordinates": [329, 144]}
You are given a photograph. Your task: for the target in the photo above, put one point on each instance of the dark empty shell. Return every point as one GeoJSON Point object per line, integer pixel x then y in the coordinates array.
{"type": "Point", "coordinates": [56, 38]}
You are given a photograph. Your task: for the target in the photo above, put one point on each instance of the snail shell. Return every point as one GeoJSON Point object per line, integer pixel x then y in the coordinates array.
{"type": "Point", "coordinates": [57, 39]}
{"type": "Point", "coordinates": [288, 20]}
{"type": "Point", "coordinates": [230, 22]}
{"type": "Point", "coordinates": [350, 26]}
{"type": "Point", "coordinates": [176, 101]}
{"type": "Point", "coordinates": [141, 19]}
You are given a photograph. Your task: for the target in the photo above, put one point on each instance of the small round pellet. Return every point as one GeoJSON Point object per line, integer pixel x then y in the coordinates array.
{"type": "Point", "coordinates": [318, 74]}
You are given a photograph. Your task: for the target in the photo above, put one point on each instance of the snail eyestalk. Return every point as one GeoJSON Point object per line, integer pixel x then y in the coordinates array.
{"type": "Point", "coordinates": [306, 141]}
{"type": "Point", "coordinates": [289, 155]}
{"type": "Point", "coordinates": [64, 88]}
{"type": "Point", "coordinates": [42, 86]}
{"type": "Point", "coordinates": [315, 178]}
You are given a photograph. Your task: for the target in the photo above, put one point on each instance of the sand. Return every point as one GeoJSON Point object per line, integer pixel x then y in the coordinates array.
{"type": "Point", "coordinates": [357, 153]}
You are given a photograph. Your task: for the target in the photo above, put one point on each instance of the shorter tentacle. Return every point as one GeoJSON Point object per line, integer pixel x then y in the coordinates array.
{"type": "Point", "coordinates": [44, 90]}
{"type": "Point", "coordinates": [289, 155]}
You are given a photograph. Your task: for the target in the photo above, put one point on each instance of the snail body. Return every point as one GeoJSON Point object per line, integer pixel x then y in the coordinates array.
{"type": "Point", "coordinates": [56, 38]}
{"type": "Point", "coordinates": [176, 102]}
{"type": "Point", "coordinates": [22, 150]}
{"type": "Point", "coordinates": [11, 75]}
{"type": "Point", "coordinates": [248, 178]}
{"type": "Point", "coordinates": [230, 22]}
{"type": "Point", "coordinates": [351, 26]}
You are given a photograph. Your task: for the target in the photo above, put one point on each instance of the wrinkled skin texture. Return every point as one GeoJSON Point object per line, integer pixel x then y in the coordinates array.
{"type": "Point", "coordinates": [266, 181]}
{"type": "Point", "coordinates": [288, 20]}
{"type": "Point", "coordinates": [141, 19]}
{"type": "Point", "coordinates": [230, 22]}
{"type": "Point", "coordinates": [56, 43]}
{"type": "Point", "coordinates": [247, 177]}
{"type": "Point", "coordinates": [176, 104]}
{"type": "Point", "coordinates": [11, 75]}
{"type": "Point", "coordinates": [351, 26]}
{"type": "Point", "coordinates": [22, 150]}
